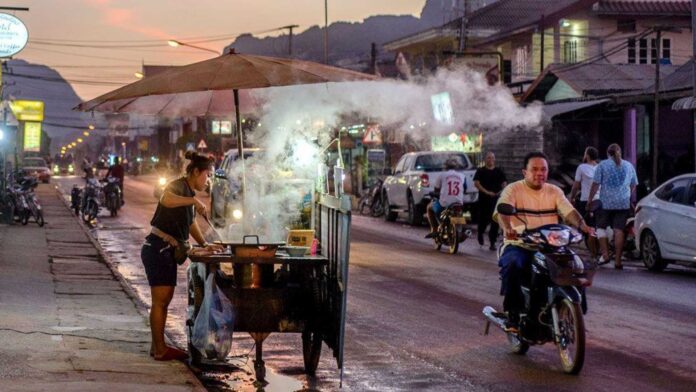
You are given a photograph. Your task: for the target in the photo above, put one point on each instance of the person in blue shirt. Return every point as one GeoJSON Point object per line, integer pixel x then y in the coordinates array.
{"type": "Point", "coordinates": [618, 181]}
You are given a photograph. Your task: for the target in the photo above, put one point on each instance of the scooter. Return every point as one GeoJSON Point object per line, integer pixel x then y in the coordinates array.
{"type": "Point", "coordinates": [91, 196]}
{"type": "Point", "coordinates": [371, 202]}
{"type": "Point", "coordinates": [75, 198]}
{"type": "Point", "coordinates": [553, 296]}
{"type": "Point", "coordinates": [112, 193]}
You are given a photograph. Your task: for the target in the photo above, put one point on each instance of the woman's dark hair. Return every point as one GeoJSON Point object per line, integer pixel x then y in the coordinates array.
{"type": "Point", "coordinates": [592, 153]}
{"type": "Point", "coordinates": [198, 161]}
{"type": "Point", "coordinates": [535, 154]}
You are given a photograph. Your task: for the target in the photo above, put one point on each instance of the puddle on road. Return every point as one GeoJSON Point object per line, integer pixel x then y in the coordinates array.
{"type": "Point", "coordinates": [241, 379]}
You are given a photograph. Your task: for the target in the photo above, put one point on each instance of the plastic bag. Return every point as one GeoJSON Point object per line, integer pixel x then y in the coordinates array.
{"type": "Point", "coordinates": [212, 329]}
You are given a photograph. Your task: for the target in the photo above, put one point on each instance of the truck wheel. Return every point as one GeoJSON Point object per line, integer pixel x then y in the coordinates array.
{"type": "Point", "coordinates": [415, 215]}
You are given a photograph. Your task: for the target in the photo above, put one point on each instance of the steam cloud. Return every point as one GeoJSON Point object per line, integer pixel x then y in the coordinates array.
{"type": "Point", "coordinates": [300, 121]}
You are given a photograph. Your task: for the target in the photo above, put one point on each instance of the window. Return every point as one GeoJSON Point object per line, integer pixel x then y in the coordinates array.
{"type": "Point", "coordinates": [667, 49]}
{"type": "Point", "coordinates": [400, 166]}
{"type": "Point", "coordinates": [632, 51]}
{"type": "Point", "coordinates": [674, 192]}
{"type": "Point", "coordinates": [626, 26]}
{"type": "Point", "coordinates": [643, 51]}
{"type": "Point", "coordinates": [570, 52]}
{"type": "Point", "coordinates": [521, 60]}
{"type": "Point", "coordinates": [691, 198]}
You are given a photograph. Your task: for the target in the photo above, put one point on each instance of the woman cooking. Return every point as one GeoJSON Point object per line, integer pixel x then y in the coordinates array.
{"type": "Point", "coordinates": [167, 245]}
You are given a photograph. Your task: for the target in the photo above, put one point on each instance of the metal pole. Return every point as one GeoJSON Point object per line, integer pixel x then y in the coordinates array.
{"type": "Point", "coordinates": [462, 28]}
{"type": "Point", "coordinates": [326, 32]}
{"type": "Point", "coordinates": [693, 69]}
{"type": "Point", "coordinates": [541, 51]}
{"type": "Point", "coordinates": [240, 151]}
{"type": "Point", "coordinates": [656, 116]}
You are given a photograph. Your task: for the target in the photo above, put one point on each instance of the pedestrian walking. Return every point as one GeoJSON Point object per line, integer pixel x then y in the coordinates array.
{"type": "Point", "coordinates": [167, 245]}
{"type": "Point", "coordinates": [490, 181]}
{"type": "Point", "coordinates": [584, 177]}
{"type": "Point", "coordinates": [617, 179]}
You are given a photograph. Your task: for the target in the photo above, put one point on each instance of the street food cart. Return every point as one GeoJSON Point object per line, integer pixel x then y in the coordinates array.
{"type": "Point", "coordinates": [272, 291]}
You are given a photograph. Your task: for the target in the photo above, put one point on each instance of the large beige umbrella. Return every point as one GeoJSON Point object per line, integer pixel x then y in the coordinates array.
{"type": "Point", "coordinates": [204, 87]}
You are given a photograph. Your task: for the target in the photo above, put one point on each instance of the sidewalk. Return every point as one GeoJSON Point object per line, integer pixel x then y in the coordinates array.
{"type": "Point", "coordinates": [66, 322]}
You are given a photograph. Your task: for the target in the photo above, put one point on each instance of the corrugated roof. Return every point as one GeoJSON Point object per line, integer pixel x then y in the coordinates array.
{"type": "Point", "coordinates": [506, 15]}
{"type": "Point", "coordinates": [598, 78]}
{"type": "Point", "coordinates": [644, 7]}
{"type": "Point", "coordinates": [680, 79]}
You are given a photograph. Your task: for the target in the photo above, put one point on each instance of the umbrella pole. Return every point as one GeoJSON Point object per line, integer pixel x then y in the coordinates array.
{"type": "Point", "coordinates": [240, 151]}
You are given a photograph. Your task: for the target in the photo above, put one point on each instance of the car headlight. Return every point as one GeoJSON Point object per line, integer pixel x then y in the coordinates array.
{"type": "Point", "coordinates": [237, 214]}
{"type": "Point", "coordinates": [162, 181]}
{"type": "Point", "coordinates": [56, 169]}
{"type": "Point", "coordinates": [71, 169]}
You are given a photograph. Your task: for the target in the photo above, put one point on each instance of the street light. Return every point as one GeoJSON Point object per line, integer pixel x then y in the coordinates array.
{"type": "Point", "coordinates": [91, 127]}
{"type": "Point", "coordinates": [174, 43]}
{"type": "Point", "coordinates": [139, 75]}
{"type": "Point", "coordinates": [79, 140]}
{"type": "Point", "coordinates": [85, 133]}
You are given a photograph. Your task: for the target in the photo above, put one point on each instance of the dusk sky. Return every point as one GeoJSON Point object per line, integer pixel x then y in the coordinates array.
{"type": "Point", "coordinates": [72, 35]}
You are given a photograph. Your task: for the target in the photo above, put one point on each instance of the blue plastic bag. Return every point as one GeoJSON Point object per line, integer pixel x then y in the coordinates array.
{"type": "Point", "coordinates": [212, 329]}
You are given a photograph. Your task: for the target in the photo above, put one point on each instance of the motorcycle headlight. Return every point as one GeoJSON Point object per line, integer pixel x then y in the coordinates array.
{"type": "Point", "coordinates": [162, 181]}
{"type": "Point", "coordinates": [237, 214]}
{"type": "Point", "coordinates": [71, 169]}
{"type": "Point", "coordinates": [557, 237]}
{"type": "Point", "coordinates": [56, 169]}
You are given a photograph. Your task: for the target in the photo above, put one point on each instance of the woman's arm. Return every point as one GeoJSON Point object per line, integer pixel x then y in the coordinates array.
{"type": "Point", "coordinates": [171, 200]}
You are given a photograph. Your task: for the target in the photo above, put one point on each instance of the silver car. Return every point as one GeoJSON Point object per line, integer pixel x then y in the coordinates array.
{"type": "Point", "coordinates": [666, 222]}
{"type": "Point", "coordinates": [225, 190]}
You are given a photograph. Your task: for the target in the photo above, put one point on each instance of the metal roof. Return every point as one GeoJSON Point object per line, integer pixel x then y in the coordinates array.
{"type": "Point", "coordinates": [596, 78]}
{"type": "Point", "coordinates": [643, 7]}
{"type": "Point", "coordinates": [550, 111]}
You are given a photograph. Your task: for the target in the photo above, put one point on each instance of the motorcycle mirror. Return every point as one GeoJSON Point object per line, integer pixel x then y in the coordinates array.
{"type": "Point", "coordinates": [506, 209]}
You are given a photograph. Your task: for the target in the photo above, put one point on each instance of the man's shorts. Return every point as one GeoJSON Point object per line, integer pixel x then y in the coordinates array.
{"type": "Point", "coordinates": [158, 259]}
{"type": "Point", "coordinates": [614, 218]}
{"type": "Point", "coordinates": [437, 207]}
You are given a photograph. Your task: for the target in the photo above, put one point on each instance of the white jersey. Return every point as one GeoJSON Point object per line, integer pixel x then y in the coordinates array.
{"type": "Point", "coordinates": [452, 187]}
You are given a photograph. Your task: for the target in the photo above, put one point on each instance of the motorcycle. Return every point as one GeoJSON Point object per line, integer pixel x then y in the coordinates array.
{"type": "Point", "coordinates": [112, 195]}
{"type": "Point", "coordinates": [553, 295]}
{"type": "Point", "coordinates": [75, 199]}
{"type": "Point", "coordinates": [34, 208]}
{"type": "Point", "coordinates": [91, 196]}
{"type": "Point", "coordinates": [450, 230]}
{"type": "Point", "coordinates": [24, 201]}
{"type": "Point", "coordinates": [371, 202]}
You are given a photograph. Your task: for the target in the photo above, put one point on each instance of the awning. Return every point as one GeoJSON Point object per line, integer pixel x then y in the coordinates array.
{"type": "Point", "coordinates": [552, 110]}
{"type": "Point", "coordinates": [686, 103]}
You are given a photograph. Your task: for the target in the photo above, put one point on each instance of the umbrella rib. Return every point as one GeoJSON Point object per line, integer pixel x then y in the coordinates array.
{"type": "Point", "coordinates": [126, 104]}
{"type": "Point", "coordinates": [167, 104]}
{"type": "Point", "coordinates": [210, 103]}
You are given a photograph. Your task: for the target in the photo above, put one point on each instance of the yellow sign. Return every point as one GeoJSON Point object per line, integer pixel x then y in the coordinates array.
{"type": "Point", "coordinates": [28, 110]}
{"type": "Point", "coordinates": [32, 136]}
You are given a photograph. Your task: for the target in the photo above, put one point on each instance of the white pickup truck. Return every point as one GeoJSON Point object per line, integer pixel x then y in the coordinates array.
{"type": "Point", "coordinates": [408, 189]}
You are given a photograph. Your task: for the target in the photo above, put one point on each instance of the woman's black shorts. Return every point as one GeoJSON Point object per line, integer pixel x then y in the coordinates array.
{"type": "Point", "coordinates": [158, 258]}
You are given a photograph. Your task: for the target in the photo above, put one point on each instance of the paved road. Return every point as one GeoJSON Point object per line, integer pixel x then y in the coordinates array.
{"type": "Point", "coordinates": [414, 318]}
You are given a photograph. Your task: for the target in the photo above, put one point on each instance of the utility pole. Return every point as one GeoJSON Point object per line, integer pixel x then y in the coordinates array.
{"type": "Point", "coordinates": [541, 51]}
{"type": "Point", "coordinates": [693, 68]}
{"type": "Point", "coordinates": [373, 58]}
{"type": "Point", "coordinates": [462, 27]}
{"type": "Point", "coordinates": [656, 116]}
{"type": "Point", "coordinates": [289, 28]}
{"type": "Point", "coordinates": [326, 32]}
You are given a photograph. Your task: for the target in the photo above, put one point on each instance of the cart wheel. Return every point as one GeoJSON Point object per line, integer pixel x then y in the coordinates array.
{"type": "Point", "coordinates": [311, 350]}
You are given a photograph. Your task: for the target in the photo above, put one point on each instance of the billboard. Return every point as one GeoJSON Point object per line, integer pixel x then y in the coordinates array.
{"type": "Point", "coordinates": [32, 136]}
{"type": "Point", "coordinates": [221, 127]}
{"type": "Point", "coordinates": [28, 110]}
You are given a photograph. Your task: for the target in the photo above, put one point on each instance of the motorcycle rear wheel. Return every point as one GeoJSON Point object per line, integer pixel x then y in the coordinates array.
{"type": "Point", "coordinates": [25, 217]}
{"type": "Point", "coordinates": [38, 217]}
{"type": "Point", "coordinates": [453, 239]}
{"type": "Point", "coordinates": [571, 347]}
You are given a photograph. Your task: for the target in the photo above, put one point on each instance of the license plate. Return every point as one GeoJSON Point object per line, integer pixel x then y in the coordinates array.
{"type": "Point", "coordinates": [458, 220]}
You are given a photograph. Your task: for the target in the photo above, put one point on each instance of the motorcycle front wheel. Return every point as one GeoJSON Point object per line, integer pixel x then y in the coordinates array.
{"type": "Point", "coordinates": [38, 217]}
{"type": "Point", "coordinates": [25, 216]}
{"type": "Point", "coordinates": [571, 345]}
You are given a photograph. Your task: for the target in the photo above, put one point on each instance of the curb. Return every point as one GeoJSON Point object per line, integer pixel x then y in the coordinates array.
{"type": "Point", "coordinates": [140, 306]}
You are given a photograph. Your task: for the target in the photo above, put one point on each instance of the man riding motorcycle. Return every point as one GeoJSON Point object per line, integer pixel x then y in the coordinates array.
{"type": "Point", "coordinates": [453, 192]}
{"type": "Point", "coordinates": [538, 203]}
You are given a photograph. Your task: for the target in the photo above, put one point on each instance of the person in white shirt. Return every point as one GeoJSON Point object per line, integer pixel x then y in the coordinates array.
{"type": "Point", "coordinates": [584, 177]}
{"type": "Point", "coordinates": [451, 186]}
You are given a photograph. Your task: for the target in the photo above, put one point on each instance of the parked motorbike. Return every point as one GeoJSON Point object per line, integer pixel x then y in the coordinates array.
{"type": "Point", "coordinates": [371, 202]}
{"type": "Point", "coordinates": [112, 195]}
{"type": "Point", "coordinates": [553, 295]}
{"type": "Point", "coordinates": [24, 201]}
{"type": "Point", "coordinates": [34, 208]}
{"type": "Point", "coordinates": [75, 199]}
{"type": "Point", "coordinates": [451, 229]}
{"type": "Point", "coordinates": [91, 200]}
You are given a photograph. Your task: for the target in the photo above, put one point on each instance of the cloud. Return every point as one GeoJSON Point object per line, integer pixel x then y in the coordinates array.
{"type": "Point", "coordinates": [126, 19]}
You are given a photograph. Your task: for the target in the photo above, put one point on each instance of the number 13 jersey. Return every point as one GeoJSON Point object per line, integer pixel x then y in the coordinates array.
{"type": "Point", "coordinates": [452, 186]}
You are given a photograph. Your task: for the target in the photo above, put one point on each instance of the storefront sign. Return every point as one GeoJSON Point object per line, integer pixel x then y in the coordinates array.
{"type": "Point", "coordinates": [13, 35]}
{"type": "Point", "coordinates": [442, 108]}
{"type": "Point", "coordinates": [221, 127]}
{"type": "Point", "coordinates": [464, 142]}
{"type": "Point", "coordinates": [32, 136]}
{"type": "Point", "coordinates": [28, 110]}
